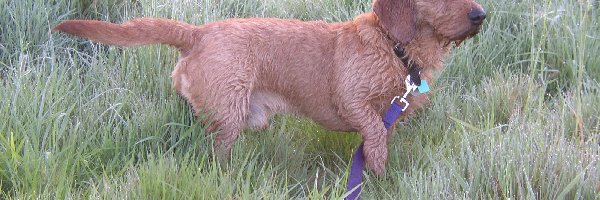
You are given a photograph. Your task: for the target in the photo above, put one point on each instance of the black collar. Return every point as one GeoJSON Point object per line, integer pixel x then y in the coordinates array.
{"type": "Point", "coordinates": [413, 69]}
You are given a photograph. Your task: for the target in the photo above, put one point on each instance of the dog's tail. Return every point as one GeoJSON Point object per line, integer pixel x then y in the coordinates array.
{"type": "Point", "coordinates": [134, 32]}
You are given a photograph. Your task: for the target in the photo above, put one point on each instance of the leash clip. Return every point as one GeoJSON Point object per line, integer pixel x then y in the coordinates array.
{"type": "Point", "coordinates": [410, 87]}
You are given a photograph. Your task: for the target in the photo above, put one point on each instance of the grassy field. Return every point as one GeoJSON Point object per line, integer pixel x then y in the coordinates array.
{"type": "Point", "coordinates": [516, 113]}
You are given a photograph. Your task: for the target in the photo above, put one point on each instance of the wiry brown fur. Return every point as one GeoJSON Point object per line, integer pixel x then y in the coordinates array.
{"type": "Point", "coordinates": [342, 75]}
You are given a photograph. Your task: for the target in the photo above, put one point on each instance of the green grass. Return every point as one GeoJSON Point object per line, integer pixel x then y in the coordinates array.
{"type": "Point", "coordinates": [516, 113]}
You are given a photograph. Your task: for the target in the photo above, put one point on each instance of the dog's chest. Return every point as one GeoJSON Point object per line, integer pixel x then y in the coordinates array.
{"type": "Point", "coordinates": [394, 85]}
{"type": "Point", "coordinates": [382, 94]}
{"type": "Point", "coordinates": [384, 102]}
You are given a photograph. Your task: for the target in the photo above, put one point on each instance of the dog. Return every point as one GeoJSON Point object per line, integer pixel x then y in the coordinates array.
{"type": "Point", "coordinates": [341, 75]}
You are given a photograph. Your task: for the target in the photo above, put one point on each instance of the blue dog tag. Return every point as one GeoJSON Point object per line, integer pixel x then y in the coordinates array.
{"type": "Point", "coordinates": [424, 87]}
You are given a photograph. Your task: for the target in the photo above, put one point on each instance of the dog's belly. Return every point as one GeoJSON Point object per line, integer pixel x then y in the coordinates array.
{"type": "Point", "coordinates": [265, 103]}
{"type": "Point", "coordinates": [327, 116]}
{"type": "Point", "coordinates": [322, 110]}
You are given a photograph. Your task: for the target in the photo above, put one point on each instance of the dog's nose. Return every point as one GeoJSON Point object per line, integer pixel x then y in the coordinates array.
{"type": "Point", "coordinates": [477, 16]}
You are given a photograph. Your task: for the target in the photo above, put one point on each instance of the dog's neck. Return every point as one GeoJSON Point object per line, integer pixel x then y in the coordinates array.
{"type": "Point", "coordinates": [414, 70]}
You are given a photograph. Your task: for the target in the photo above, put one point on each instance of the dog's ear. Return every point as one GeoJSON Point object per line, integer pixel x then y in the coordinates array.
{"type": "Point", "coordinates": [397, 17]}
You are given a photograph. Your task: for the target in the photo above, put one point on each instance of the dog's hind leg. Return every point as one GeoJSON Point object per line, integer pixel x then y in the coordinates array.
{"type": "Point", "coordinates": [230, 119]}
{"type": "Point", "coordinates": [229, 104]}
{"type": "Point", "coordinates": [222, 96]}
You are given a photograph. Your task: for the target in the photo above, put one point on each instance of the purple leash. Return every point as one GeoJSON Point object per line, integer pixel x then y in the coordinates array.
{"type": "Point", "coordinates": [356, 175]}
{"type": "Point", "coordinates": [358, 160]}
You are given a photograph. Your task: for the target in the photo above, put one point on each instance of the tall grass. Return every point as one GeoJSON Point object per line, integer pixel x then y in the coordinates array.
{"type": "Point", "coordinates": [516, 113]}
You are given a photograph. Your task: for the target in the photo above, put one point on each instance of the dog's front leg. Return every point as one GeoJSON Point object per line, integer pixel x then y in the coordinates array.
{"type": "Point", "coordinates": [365, 119]}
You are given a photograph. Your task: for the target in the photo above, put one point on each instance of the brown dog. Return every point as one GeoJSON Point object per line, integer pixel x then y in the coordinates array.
{"type": "Point", "coordinates": [341, 75]}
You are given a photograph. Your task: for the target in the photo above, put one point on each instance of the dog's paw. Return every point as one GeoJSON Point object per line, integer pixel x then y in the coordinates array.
{"type": "Point", "coordinates": [376, 158]}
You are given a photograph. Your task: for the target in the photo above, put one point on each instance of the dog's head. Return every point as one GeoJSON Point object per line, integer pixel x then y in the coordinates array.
{"type": "Point", "coordinates": [451, 20]}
